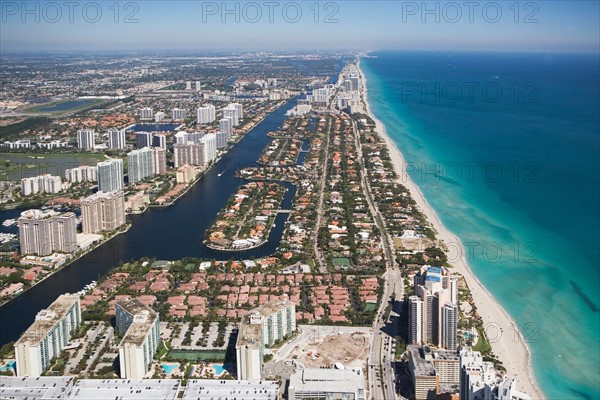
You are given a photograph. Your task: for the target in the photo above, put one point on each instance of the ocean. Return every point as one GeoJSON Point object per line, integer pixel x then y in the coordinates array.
{"type": "Point", "coordinates": [506, 149]}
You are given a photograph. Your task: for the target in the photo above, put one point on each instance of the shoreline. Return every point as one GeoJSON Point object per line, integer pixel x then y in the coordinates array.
{"type": "Point", "coordinates": [510, 349]}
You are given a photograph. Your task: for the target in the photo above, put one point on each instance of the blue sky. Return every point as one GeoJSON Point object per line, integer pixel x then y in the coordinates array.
{"type": "Point", "coordinates": [547, 26]}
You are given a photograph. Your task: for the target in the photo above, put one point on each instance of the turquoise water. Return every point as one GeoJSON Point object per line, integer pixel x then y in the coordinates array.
{"type": "Point", "coordinates": [9, 366]}
{"type": "Point", "coordinates": [219, 369]}
{"type": "Point", "coordinates": [506, 149]}
{"type": "Point", "coordinates": [169, 368]}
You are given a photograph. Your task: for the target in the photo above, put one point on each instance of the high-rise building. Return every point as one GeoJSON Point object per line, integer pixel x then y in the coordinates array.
{"type": "Point", "coordinates": [116, 139]}
{"type": "Point", "coordinates": [189, 154]}
{"type": "Point", "coordinates": [159, 116]}
{"type": "Point", "coordinates": [110, 175]}
{"type": "Point", "coordinates": [159, 160]}
{"type": "Point", "coordinates": [85, 173]}
{"type": "Point", "coordinates": [226, 126]}
{"type": "Point", "coordinates": [205, 114]}
{"type": "Point", "coordinates": [178, 114]}
{"type": "Point", "coordinates": [102, 211]}
{"type": "Point", "coordinates": [86, 139]}
{"type": "Point", "coordinates": [141, 328]}
{"type": "Point", "coordinates": [159, 140]}
{"type": "Point", "coordinates": [232, 111]}
{"type": "Point", "coordinates": [262, 327]}
{"type": "Point", "coordinates": [433, 289]}
{"type": "Point", "coordinates": [146, 113]}
{"type": "Point", "coordinates": [355, 79]}
{"type": "Point", "coordinates": [41, 184]}
{"type": "Point", "coordinates": [143, 139]}
{"type": "Point", "coordinates": [222, 139]}
{"type": "Point", "coordinates": [181, 137]}
{"type": "Point", "coordinates": [415, 320]}
{"type": "Point", "coordinates": [195, 137]}
{"type": "Point", "coordinates": [43, 232]}
{"type": "Point", "coordinates": [199, 86]}
{"type": "Point", "coordinates": [209, 143]}
{"type": "Point", "coordinates": [449, 326]}
{"type": "Point", "coordinates": [139, 164]}
{"type": "Point", "coordinates": [47, 336]}
{"type": "Point", "coordinates": [477, 377]}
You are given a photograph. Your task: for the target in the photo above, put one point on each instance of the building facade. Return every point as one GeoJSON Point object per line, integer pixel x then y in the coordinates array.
{"type": "Point", "coordinates": [140, 164]}
{"type": "Point", "coordinates": [47, 336]}
{"type": "Point", "coordinates": [44, 232]}
{"type": "Point", "coordinates": [102, 212]}
{"type": "Point", "coordinates": [141, 327]}
{"type": "Point", "coordinates": [110, 175]}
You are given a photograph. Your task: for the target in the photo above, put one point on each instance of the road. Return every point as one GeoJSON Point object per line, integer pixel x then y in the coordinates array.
{"type": "Point", "coordinates": [319, 259]}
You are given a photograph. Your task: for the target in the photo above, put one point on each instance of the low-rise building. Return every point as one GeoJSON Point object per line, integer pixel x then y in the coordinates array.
{"type": "Point", "coordinates": [211, 389]}
{"type": "Point", "coordinates": [319, 383]}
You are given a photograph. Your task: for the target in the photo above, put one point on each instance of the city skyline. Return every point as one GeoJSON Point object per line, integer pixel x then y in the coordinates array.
{"type": "Point", "coordinates": [440, 25]}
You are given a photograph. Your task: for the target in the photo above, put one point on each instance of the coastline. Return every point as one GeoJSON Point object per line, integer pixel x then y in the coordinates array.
{"type": "Point", "coordinates": [510, 347]}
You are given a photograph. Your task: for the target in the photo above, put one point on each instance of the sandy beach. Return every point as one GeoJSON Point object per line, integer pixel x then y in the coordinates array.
{"type": "Point", "coordinates": [508, 345]}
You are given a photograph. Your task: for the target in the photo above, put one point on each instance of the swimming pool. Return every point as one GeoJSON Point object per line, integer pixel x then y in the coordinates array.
{"type": "Point", "coordinates": [219, 369]}
{"type": "Point", "coordinates": [9, 365]}
{"type": "Point", "coordinates": [169, 368]}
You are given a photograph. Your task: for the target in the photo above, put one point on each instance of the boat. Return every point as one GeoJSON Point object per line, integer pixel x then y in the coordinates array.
{"type": "Point", "coordinates": [9, 222]}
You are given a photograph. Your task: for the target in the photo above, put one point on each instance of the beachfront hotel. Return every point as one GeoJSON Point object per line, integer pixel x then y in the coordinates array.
{"type": "Point", "coordinates": [43, 232]}
{"type": "Point", "coordinates": [140, 326]}
{"type": "Point", "coordinates": [102, 211]}
{"type": "Point", "coordinates": [47, 336]}
{"type": "Point", "coordinates": [433, 310]}
{"type": "Point", "coordinates": [261, 327]}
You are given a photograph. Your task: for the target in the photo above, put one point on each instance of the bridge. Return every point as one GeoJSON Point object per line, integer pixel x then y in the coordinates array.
{"type": "Point", "coordinates": [284, 211]}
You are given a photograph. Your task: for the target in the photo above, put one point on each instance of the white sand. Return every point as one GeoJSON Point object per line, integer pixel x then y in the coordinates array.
{"type": "Point", "coordinates": [507, 345]}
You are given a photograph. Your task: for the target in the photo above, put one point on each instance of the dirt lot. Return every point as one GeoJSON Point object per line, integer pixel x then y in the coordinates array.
{"type": "Point", "coordinates": [350, 349]}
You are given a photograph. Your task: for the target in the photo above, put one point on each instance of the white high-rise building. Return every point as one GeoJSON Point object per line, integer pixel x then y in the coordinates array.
{"type": "Point", "coordinates": [194, 137]}
{"type": "Point", "coordinates": [209, 141]}
{"type": "Point", "coordinates": [85, 173]}
{"type": "Point", "coordinates": [47, 336]}
{"type": "Point", "coordinates": [116, 139]}
{"type": "Point", "coordinates": [102, 212]}
{"type": "Point", "coordinates": [159, 116]}
{"type": "Point", "coordinates": [226, 126]}
{"type": "Point", "coordinates": [449, 326]}
{"type": "Point", "coordinates": [206, 114]}
{"type": "Point", "coordinates": [221, 140]}
{"type": "Point", "coordinates": [141, 328]}
{"type": "Point", "coordinates": [199, 86]}
{"type": "Point", "coordinates": [110, 175]}
{"type": "Point", "coordinates": [143, 139]}
{"type": "Point", "coordinates": [262, 326]}
{"type": "Point", "coordinates": [86, 139]}
{"type": "Point", "coordinates": [181, 137]}
{"type": "Point", "coordinates": [477, 377]}
{"type": "Point", "coordinates": [146, 113]}
{"type": "Point", "coordinates": [232, 112]}
{"type": "Point", "coordinates": [159, 160]}
{"type": "Point", "coordinates": [41, 184]}
{"type": "Point", "coordinates": [415, 318]}
{"type": "Point", "coordinates": [140, 164]}
{"type": "Point", "coordinates": [178, 114]}
{"type": "Point", "coordinates": [43, 232]}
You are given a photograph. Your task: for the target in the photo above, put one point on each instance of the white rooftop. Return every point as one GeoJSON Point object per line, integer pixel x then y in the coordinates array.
{"type": "Point", "coordinates": [208, 389]}
{"type": "Point", "coordinates": [45, 387]}
{"type": "Point", "coordinates": [125, 389]}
